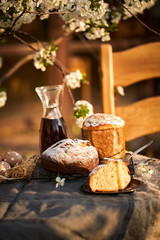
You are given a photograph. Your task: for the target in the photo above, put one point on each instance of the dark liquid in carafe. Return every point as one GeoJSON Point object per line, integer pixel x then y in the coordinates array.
{"type": "Point", "coordinates": [51, 131]}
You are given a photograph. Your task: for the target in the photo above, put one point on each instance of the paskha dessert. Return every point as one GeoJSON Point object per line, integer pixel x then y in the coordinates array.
{"type": "Point", "coordinates": [70, 156]}
{"type": "Point", "coordinates": [113, 176]}
{"type": "Point", "coordinates": [106, 133]}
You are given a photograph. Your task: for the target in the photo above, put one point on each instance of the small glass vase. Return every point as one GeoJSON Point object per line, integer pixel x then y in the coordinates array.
{"type": "Point", "coordinates": [52, 128]}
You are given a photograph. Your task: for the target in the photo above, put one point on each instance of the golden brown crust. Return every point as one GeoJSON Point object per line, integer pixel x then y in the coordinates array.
{"type": "Point", "coordinates": [70, 156]}
{"type": "Point", "coordinates": [113, 176]}
{"type": "Point", "coordinates": [106, 133]}
{"type": "Point", "coordinates": [77, 168]}
{"type": "Point", "coordinates": [108, 142]}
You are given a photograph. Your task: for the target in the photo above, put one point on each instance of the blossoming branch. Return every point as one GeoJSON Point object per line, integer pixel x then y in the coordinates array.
{"type": "Point", "coordinates": [95, 18]}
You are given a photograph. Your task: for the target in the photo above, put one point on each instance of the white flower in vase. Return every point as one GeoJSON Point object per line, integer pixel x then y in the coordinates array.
{"type": "Point", "coordinates": [82, 110]}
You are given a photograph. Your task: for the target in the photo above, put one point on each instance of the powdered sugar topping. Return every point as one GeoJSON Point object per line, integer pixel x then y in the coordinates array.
{"type": "Point", "coordinates": [71, 151]}
{"type": "Point", "coordinates": [102, 119]}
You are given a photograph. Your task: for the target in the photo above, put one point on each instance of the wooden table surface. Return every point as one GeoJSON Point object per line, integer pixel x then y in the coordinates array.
{"type": "Point", "coordinates": [37, 210]}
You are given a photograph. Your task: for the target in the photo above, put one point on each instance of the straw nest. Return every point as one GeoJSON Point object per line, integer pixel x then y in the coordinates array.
{"type": "Point", "coordinates": [21, 171]}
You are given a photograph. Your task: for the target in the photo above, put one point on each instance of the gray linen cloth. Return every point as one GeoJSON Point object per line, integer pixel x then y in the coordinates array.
{"type": "Point", "coordinates": [37, 210]}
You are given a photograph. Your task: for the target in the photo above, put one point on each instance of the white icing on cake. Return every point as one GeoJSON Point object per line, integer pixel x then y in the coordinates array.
{"type": "Point", "coordinates": [71, 151]}
{"type": "Point", "coordinates": [103, 119]}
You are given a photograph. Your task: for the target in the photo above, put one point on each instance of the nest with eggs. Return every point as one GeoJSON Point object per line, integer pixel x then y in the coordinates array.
{"type": "Point", "coordinates": [14, 167]}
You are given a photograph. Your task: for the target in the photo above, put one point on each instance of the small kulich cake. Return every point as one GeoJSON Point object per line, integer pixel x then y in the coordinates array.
{"type": "Point", "coordinates": [113, 176]}
{"type": "Point", "coordinates": [70, 156]}
{"type": "Point", "coordinates": [106, 133]}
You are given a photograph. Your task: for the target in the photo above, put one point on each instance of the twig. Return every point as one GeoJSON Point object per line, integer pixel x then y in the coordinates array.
{"type": "Point", "coordinates": [70, 93]}
{"type": "Point", "coordinates": [31, 36]}
{"type": "Point", "coordinates": [62, 37]}
{"type": "Point", "coordinates": [29, 57]}
{"type": "Point", "coordinates": [16, 67]}
{"type": "Point", "coordinates": [16, 20]}
{"type": "Point", "coordinates": [61, 67]}
{"type": "Point", "coordinates": [49, 13]}
{"type": "Point", "coordinates": [24, 42]}
{"type": "Point", "coordinates": [146, 26]}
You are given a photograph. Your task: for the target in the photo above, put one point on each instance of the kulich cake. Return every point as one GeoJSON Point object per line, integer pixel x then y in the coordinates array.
{"type": "Point", "coordinates": [106, 133]}
{"type": "Point", "coordinates": [70, 156]}
{"type": "Point", "coordinates": [113, 176]}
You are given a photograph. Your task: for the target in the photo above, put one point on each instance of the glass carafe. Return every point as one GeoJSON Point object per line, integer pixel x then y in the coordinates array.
{"type": "Point", "coordinates": [52, 128]}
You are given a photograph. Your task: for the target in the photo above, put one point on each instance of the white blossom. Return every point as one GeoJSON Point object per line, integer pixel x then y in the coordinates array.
{"type": "Point", "coordinates": [59, 182]}
{"type": "Point", "coordinates": [136, 6]}
{"type": "Point", "coordinates": [79, 122]}
{"type": "Point", "coordinates": [82, 109]}
{"type": "Point", "coordinates": [84, 103]}
{"type": "Point", "coordinates": [74, 79]}
{"type": "Point", "coordinates": [84, 15]}
{"type": "Point", "coordinates": [43, 58]}
{"type": "Point", "coordinates": [12, 9]}
{"type": "Point", "coordinates": [3, 98]}
{"type": "Point", "coordinates": [98, 33]}
{"type": "Point", "coordinates": [144, 170]}
{"type": "Point", "coordinates": [116, 16]}
{"type": "Point", "coordinates": [120, 90]}
{"type": "Point", "coordinates": [91, 17]}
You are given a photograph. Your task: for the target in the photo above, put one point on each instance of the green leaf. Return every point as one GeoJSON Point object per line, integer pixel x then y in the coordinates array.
{"type": "Point", "coordinates": [112, 27]}
{"type": "Point", "coordinates": [83, 77]}
{"type": "Point", "coordinates": [82, 112]}
{"type": "Point", "coordinates": [53, 46]}
{"type": "Point", "coordinates": [2, 89]}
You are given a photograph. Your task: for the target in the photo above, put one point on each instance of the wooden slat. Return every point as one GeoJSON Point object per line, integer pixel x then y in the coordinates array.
{"type": "Point", "coordinates": [107, 79]}
{"type": "Point", "coordinates": [142, 62]}
{"type": "Point", "coordinates": [142, 117]}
